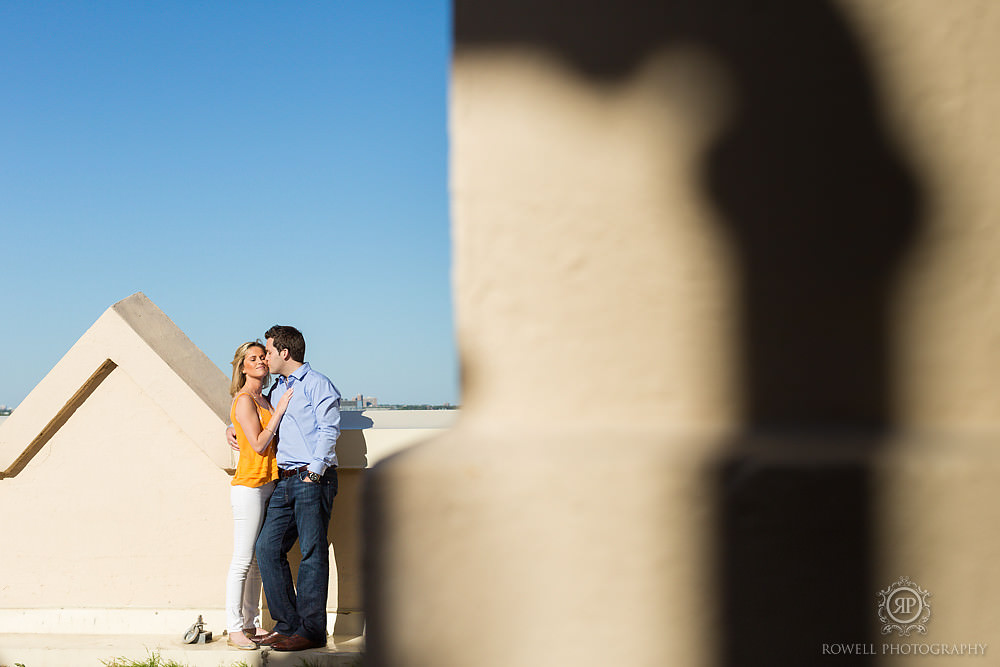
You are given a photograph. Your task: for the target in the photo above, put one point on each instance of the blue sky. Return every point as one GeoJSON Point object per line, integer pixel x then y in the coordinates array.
{"type": "Point", "coordinates": [243, 164]}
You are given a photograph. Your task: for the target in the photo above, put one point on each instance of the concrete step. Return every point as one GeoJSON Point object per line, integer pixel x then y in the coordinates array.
{"type": "Point", "coordinates": [52, 650]}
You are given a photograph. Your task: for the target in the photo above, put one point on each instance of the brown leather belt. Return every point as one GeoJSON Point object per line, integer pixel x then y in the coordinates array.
{"type": "Point", "coordinates": [285, 474]}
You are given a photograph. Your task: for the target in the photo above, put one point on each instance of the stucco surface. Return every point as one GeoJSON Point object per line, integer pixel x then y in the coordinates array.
{"type": "Point", "coordinates": [736, 223]}
{"type": "Point", "coordinates": [116, 496]}
{"type": "Point", "coordinates": [933, 64]}
{"type": "Point", "coordinates": [167, 367]}
{"type": "Point", "coordinates": [119, 509]}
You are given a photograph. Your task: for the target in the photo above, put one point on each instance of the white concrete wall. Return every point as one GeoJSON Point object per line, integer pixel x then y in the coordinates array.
{"type": "Point", "coordinates": [130, 532]}
{"type": "Point", "coordinates": [119, 510]}
{"type": "Point", "coordinates": [115, 487]}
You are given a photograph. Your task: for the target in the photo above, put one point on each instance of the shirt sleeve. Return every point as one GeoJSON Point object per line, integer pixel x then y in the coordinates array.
{"type": "Point", "coordinates": [326, 403]}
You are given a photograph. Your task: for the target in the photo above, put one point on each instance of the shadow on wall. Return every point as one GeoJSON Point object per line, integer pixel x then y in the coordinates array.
{"type": "Point", "coordinates": [354, 420]}
{"type": "Point", "coordinates": [820, 209]}
{"type": "Point", "coordinates": [352, 448]}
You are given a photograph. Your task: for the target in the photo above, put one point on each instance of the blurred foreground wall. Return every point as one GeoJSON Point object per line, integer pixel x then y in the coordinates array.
{"type": "Point", "coordinates": [740, 257]}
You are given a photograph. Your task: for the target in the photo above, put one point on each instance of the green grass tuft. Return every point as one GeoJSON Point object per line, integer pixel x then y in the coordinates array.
{"type": "Point", "coordinates": [154, 660]}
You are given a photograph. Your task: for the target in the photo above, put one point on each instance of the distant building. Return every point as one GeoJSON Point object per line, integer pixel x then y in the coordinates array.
{"type": "Point", "coordinates": [359, 402]}
{"type": "Point", "coordinates": [362, 402]}
{"type": "Point", "coordinates": [366, 401]}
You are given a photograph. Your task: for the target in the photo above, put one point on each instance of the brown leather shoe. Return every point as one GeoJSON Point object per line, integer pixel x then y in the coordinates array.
{"type": "Point", "coordinates": [296, 643]}
{"type": "Point", "coordinates": [271, 638]}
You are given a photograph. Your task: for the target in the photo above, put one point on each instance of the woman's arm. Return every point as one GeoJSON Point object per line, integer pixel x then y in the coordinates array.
{"type": "Point", "coordinates": [246, 415]}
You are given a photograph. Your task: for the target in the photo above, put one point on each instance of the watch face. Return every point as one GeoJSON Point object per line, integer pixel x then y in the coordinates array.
{"type": "Point", "coordinates": [314, 477]}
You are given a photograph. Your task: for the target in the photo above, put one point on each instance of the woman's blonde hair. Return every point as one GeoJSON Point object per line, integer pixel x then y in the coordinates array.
{"type": "Point", "coordinates": [239, 377]}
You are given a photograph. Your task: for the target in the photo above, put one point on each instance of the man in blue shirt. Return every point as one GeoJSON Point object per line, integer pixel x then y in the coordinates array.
{"type": "Point", "coordinates": [302, 500]}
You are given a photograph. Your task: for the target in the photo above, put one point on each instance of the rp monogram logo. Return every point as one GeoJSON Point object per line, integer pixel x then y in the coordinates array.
{"type": "Point", "coordinates": [903, 607]}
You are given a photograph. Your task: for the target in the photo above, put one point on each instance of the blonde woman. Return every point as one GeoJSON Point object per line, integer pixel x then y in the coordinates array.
{"type": "Point", "coordinates": [255, 422]}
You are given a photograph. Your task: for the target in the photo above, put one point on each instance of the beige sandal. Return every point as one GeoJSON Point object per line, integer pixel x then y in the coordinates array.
{"type": "Point", "coordinates": [245, 647]}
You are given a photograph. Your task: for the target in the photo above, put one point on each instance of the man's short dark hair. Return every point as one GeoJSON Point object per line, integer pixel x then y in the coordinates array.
{"type": "Point", "coordinates": [288, 338]}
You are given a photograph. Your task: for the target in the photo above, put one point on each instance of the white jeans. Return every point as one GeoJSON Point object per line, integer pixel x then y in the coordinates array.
{"type": "Point", "coordinates": [243, 582]}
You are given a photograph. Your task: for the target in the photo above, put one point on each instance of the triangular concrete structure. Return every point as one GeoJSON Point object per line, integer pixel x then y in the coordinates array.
{"type": "Point", "coordinates": [116, 489]}
{"type": "Point", "coordinates": [136, 338]}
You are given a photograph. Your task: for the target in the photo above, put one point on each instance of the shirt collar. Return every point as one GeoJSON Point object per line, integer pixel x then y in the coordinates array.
{"type": "Point", "coordinates": [298, 374]}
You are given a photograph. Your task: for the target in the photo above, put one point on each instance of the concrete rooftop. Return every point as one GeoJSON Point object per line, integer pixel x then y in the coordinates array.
{"type": "Point", "coordinates": [53, 650]}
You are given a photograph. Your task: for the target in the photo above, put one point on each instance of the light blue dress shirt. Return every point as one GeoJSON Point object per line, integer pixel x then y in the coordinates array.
{"type": "Point", "coordinates": [307, 434]}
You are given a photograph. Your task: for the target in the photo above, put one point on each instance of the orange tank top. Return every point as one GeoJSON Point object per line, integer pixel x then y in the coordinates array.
{"type": "Point", "coordinates": [253, 469]}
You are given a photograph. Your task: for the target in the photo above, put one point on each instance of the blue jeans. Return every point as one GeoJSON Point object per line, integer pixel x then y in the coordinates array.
{"type": "Point", "coordinates": [298, 510]}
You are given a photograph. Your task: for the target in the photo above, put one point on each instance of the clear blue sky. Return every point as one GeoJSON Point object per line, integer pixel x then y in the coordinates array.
{"type": "Point", "coordinates": [243, 164]}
